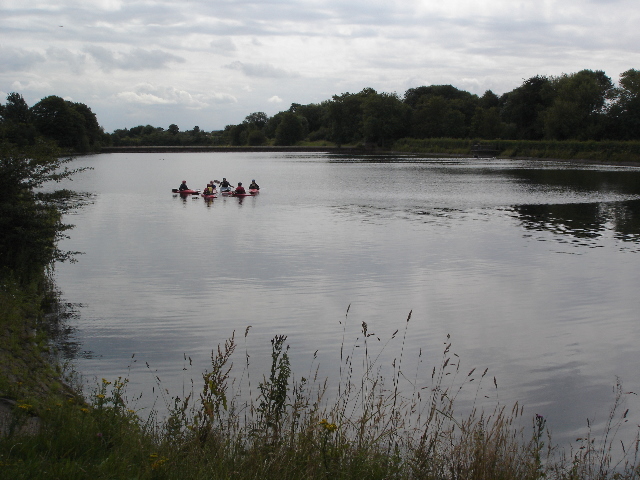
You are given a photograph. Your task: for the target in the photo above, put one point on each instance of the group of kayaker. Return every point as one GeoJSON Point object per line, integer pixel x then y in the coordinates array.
{"type": "Point", "coordinates": [225, 186]}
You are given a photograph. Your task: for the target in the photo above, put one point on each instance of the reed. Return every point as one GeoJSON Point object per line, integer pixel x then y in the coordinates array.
{"type": "Point", "coordinates": [376, 424]}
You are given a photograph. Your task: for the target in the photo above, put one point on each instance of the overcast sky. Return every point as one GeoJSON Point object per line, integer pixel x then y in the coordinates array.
{"type": "Point", "coordinates": [212, 62]}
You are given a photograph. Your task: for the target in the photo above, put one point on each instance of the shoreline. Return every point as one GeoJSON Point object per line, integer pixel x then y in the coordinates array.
{"type": "Point", "coordinates": [347, 150]}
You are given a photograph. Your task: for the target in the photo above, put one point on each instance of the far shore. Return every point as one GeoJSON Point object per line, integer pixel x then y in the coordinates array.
{"type": "Point", "coordinates": [343, 150]}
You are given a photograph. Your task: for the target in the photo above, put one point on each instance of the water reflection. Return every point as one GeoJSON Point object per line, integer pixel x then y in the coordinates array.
{"type": "Point", "coordinates": [584, 221]}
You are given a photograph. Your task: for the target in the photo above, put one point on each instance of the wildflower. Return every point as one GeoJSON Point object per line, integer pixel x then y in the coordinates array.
{"type": "Point", "coordinates": [85, 410]}
{"type": "Point", "coordinates": [25, 406]}
{"type": "Point", "coordinates": [106, 382]}
{"type": "Point", "coordinates": [158, 463]}
{"type": "Point", "coordinates": [100, 395]}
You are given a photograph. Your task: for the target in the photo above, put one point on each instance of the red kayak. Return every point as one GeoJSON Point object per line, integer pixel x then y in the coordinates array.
{"type": "Point", "coordinates": [185, 192]}
{"type": "Point", "coordinates": [207, 197]}
{"type": "Point", "coordinates": [254, 191]}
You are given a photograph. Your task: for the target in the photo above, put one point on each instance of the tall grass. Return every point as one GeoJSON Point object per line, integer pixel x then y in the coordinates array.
{"type": "Point", "coordinates": [369, 426]}
{"type": "Point", "coordinates": [606, 151]}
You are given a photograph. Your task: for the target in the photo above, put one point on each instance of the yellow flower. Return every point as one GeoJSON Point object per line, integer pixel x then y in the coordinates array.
{"type": "Point", "coordinates": [106, 382]}
{"type": "Point", "coordinates": [100, 395]}
{"type": "Point", "coordinates": [25, 406]}
{"type": "Point", "coordinates": [85, 410]}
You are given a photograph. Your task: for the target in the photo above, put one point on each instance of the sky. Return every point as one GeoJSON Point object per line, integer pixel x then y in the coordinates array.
{"type": "Point", "coordinates": [210, 63]}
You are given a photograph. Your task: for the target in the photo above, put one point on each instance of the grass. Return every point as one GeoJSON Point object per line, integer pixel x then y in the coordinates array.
{"type": "Point", "coordinates": [371, 427]}
{"type": "Point", "coordinates": [606, 151]}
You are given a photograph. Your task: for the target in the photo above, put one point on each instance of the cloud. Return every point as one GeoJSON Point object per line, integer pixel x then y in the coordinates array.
{"type": "Point", "coordinates": [261, 70]}
{"type": "Point", "coordinates": [275, 99]}
{"type": "Point", "coordinates": [75, 61]}
{"type": "Point", "coordinates": [136, 59]}
{"type": "Point", "coordinates": [15, 59]}
{"type": "Point", "coordinates": [149, 94]}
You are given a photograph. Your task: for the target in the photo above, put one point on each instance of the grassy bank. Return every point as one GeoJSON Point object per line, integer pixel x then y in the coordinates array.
{"type": "Point", "coordinates": [373, 427]}
{"type": "Point", "coordinates": [606, 151]}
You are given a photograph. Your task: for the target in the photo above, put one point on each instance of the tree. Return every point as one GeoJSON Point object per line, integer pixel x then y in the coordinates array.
{"type": "Point", "coordinates": [174, 129]}
{"type": "Point", "coordinates": [256, 120]}
{"type": "Point", "coordinates": [385, 118]}
{"type": "Point", "coordinates": [16, 109]}
{"type": "Point", "coordinates": [524, 107]}
{"type": "Point", "coordinates": [15, 121]}
{"type": "Point", "coordinates": [291, 129]}
{"type": "Point", "coordinates": [56, 119]}
{"type": "Point", "coordinates": [30, 219]}
{"type": "Point", "coordinates": [436, 117]}
{"type": "Point", "coordinates": [579, 107]}
{"type": "Point", "coordinates": [625, 112]}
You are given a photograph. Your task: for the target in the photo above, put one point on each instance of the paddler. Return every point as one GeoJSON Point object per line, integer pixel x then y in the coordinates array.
{"type": "Point", "coordinates": [254, 185]}
{"type": "Point", "coordinates": [225, 185]}
{"type": "Point", "coordinates": [240, 189]}
{"type": "Point", "coordinates": [183, 186]}
{"type": "Point", "coordinates": [209, 190]}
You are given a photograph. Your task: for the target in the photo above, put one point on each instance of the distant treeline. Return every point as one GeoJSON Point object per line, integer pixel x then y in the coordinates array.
{"type": "Point", "coordinates": [582, 106]}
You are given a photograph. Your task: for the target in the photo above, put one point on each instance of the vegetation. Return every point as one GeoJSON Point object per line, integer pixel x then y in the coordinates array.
{"type": "Point", "coordinates": [30, 226]}
{"type": "Point", "coordinates": [71, 126]}
{"type": "Point", "coordinates": [373, 427]}
{"type": "Point", "coordinates": [579, 107]}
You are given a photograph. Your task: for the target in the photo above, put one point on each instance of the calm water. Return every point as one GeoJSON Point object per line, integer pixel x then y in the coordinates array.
{"type": "Point", "coordinates": [532, 268]}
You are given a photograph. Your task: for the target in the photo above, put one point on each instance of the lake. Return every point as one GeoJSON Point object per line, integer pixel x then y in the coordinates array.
{"type": "Point", "coordinates": [529, 268]}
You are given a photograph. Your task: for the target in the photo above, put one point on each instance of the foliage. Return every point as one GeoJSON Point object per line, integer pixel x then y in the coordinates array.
{"type": "Point", "coordinates": [72, 126]}
{"type": "Point", "coordinates": [408, 428]}
{"type": "Point", "coordinates": [30, 219]}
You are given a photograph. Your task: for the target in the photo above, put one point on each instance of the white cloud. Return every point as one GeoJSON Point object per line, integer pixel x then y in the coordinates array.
{"type": "Point", "coordinates": [135, 59]}
{"type": "Point", "coordinates": [275, 99]}
{"type": "Point", "coordinates": [261, 70]}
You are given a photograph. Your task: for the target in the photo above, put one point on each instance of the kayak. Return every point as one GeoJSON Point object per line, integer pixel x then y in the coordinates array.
{"type": "Point", "coordinates": [207, 197]}
{"type": "Point", "coordinates": [233, 194]}
{"type": "Point", "coordinates": [185, 192]}
{"type": "Point", "coordinates": [254, 190]}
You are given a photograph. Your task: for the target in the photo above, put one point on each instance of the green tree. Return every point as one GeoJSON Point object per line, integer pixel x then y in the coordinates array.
{"type": "Point", "coordinates": [525, 107]}
{"type": "Point", "coordinates": [30, 219]}
{"type": "Point", "coordinates": [291, 129]}
{"type": "Point", "coordinates": [578, 110]}
{"type": "Point", "coordinates": [256, 120]}
{"type": "Point", "coordinates": [385, 118]}
{"type": "Point", "coordinates": [58, 120]}
{"type": "Point", "coordinates": [625, 112]}
{"type": "Point", "coordinates": [15, 121]}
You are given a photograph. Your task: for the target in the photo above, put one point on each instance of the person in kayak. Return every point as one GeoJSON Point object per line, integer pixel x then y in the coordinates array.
{"type": "Point", "coordinates": [254, 185]}
{"type": "Point", "coordinates": [224, 185]}
{"type": "Point", "coordinates": [183, 186]}
{"type": "Point", "coordinates": [210, 189]}
{"type": "Point", "coordinates": [240, 189]}
{"type": "Point", "coordinates": [213, 186]}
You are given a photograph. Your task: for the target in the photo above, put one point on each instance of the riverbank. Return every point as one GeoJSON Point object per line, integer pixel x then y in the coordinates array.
{"type": "Point", "coordinates": [596, 153]}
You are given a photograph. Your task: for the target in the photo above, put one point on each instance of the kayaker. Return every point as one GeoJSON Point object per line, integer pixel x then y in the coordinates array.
{"type": "Point", "coordinates": [209, 190]}
{"type": "Point", "coordinates": [254, 185]}
{"type": "Point", "coordinates": [183, 186]}
{"type": "Point", "coordinates": [240, 189]}
{"type": "Point", "coordinates": [213, 186]}
{"type": "Point", "coordinates": [224, 183]}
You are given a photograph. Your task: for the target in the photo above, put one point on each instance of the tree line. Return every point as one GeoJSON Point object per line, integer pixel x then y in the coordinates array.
{"type": "Point", "coordinates": [586, 105]}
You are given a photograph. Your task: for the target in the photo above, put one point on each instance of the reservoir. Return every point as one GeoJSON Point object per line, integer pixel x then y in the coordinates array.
{"type": "Point", "coordinates": [529, 268]}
